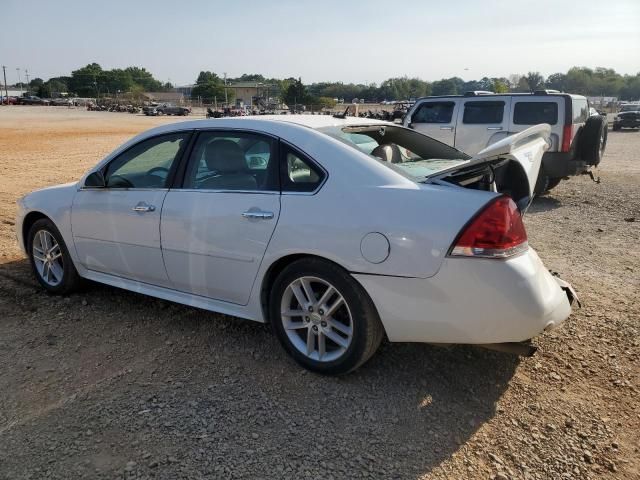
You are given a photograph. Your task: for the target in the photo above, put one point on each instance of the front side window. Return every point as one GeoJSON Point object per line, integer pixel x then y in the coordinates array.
{"type": "Point", "coordinates": [533, 113]}
{"type": "Point", "coordinates": [299, 173]}
{"type": "Point", "coordinates": [147, 164]}
{"type": "Point", "coordinates": [232, 161]}
{"type": "Point", "coordinates": [434, 112]}
{"type": "Point", "coordinates": [483, 112]}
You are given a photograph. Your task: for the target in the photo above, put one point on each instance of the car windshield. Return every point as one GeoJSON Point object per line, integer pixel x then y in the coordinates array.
{"type": "Point", "coordinates": [413, 155]}
{"type": "Point", "coordinates": [630, 108]}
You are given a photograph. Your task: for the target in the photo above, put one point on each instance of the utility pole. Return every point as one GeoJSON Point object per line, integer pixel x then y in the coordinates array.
{"type": "Point", "coordinates": [6, 92]}
{"type": "Point", "coordinates": [226, 98]}
{"type": "Point", "coordinates": [26, 73]}
{"type": "Point", "coordinates": [19, 81]}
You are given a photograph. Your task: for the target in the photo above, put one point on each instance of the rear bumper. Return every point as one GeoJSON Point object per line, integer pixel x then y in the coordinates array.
{"type": "Point", "coordinates": [473, 301]}
{"type": "Point", "coordinates": [562, 164]}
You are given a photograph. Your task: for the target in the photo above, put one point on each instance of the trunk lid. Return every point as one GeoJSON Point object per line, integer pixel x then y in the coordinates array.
{"type": "Point", "coordinates": [514, 161]}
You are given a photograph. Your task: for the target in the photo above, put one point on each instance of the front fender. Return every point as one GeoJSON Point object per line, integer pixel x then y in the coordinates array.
{"type": "Point", "coordinates": [54, 203]}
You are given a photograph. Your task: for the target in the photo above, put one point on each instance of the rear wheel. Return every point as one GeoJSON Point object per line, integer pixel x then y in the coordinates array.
{"type": "Point", "coordinates": [553, 182]}
{"type": "Point", "coordinates": [324, 319]}
{"type": "Point", "coordinates": [542, 183]}
{"type": "Point", "coordinates": [50, 259]}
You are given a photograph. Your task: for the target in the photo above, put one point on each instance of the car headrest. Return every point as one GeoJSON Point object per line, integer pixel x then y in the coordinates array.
{"type": "Point", "coordinates": [388, 152]}
{"type": "Point", "coordinates": [225, 156]}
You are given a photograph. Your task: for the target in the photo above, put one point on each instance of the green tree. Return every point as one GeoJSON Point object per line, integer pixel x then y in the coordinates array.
{"type": "Point", "coordinates": [140, 76]}
{"type": "Point", "coordinates": [578, 80]}
{"type": "Point", "coordinates": [535, 81]}
{"type": "Point", "coordinates": [445, 87]}
{"type": "Point", "coordinates": [86, 80]}
{"type": "Point", "coordinates": [557, 81]}
{"type": "Point", "coordinates": [631, 88]}
{"type": "Point", "coordinates": [210, 87]}
{"type": "Point", "coordinates": [296, 93]}
{"type": "Point", "coordinates": [500, 86]}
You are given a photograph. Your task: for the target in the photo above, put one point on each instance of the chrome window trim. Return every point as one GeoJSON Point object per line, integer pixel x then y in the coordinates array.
{"type": "Point", "coordinates": [127, 189]}
{"type": "Point", "coordinates": [203, 190]}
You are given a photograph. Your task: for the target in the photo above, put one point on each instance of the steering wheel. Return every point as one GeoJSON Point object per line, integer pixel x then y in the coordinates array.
{"type": "Point", "coordinates": [157, 170]}
{"type": "Point", "coordinates": [118, 181]}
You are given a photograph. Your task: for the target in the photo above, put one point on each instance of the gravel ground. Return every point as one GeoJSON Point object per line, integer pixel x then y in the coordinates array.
{"type": "Point", "coordinates": [110, 384]}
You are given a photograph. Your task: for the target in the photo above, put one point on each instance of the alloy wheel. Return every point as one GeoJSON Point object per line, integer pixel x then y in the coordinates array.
{"type": "Point", "coordinates": [47, 257]}
{"type": "Point", "coordinates": [316, 319]}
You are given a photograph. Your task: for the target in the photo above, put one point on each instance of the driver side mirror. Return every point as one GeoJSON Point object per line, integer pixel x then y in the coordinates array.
{"type": "Point", "coordinates": [95, 180]}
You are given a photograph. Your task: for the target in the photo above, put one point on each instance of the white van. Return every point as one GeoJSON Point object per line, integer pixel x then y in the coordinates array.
{"type": "Point", "coordinates": [475, 120]}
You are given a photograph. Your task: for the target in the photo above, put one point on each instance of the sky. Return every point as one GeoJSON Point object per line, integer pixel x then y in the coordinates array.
{"type": "Point", "coordinates": [323, 40]}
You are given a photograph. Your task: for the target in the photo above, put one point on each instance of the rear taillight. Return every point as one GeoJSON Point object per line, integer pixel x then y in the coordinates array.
{"type": "Point", "coordinates": [497, 232]}
{"type": "Point", "coordinates": [567, 131]}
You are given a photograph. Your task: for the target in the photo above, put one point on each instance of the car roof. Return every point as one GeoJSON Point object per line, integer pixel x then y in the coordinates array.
{"type": "Point", "coordinates": [310, 121]}
{"type": "Point", "coordinates": [497, 95]}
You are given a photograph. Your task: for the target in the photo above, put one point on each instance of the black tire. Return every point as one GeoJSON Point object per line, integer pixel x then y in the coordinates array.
{"type": "Point", "coordinates": [542, 183]}
{"type": "Point", "coordinates": [367, 329]}
{"type": "Point", "coordinates": [70, 278]}
{"type": "Point", "coordinates": [593, 139]}
{"type": "Point", "coordinates": [553, 182]}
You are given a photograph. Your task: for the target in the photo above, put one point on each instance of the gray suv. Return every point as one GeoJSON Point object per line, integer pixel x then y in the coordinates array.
{"type": "Point", "coordinates": [472, 121]}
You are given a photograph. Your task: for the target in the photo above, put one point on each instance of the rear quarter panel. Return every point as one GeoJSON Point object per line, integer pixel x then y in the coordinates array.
{"type": "Point", "coordinates": [361, 196]}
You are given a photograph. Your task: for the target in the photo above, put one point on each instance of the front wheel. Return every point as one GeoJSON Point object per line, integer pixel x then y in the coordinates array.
{"type": "Point", "coordinates": [324, 319]}
{"type": "Point", "coordinates": [50, 259]}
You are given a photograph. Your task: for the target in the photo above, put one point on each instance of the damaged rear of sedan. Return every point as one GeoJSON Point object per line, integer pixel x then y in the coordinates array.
{"type": "Point", "coordinates": [337, 231]}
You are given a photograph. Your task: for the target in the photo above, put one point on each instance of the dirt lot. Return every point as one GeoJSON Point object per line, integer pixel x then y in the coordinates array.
{"type": "Point", "coordinates": [110, 384]}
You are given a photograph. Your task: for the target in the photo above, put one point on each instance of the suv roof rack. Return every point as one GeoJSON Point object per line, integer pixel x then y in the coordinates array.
{"type": "Point", "coordinates": [476, 93]}
{"type": "Point", "coordinates": [545, 92]}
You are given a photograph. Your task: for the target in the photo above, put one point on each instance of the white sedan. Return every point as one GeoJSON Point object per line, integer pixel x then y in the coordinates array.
{"type": "Point", "coordinates": [337, 231]}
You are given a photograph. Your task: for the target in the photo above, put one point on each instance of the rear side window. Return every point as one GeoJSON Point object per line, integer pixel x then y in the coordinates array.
{"type": "Point", "coordinates": [580, 111]}
{"type": "Point", "coordinates": [483, 112]}
{"type": "Point", "coordinates": [533, 113]}
{"type": "Point", "coordinates": [298, 173]}
{"type": "Point", "coordinates": [434, 112]}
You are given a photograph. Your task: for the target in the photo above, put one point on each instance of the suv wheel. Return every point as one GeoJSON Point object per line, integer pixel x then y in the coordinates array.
{"type": "Point", "coordinates": [324, 319]}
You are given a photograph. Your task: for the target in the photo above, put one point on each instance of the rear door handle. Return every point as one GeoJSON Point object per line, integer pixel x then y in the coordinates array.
{"type": "Point", "coordinates": [258, 214]}
{"type": "Point", "coordinates": [447, 128]}
{"type": "Point", "coordinates": [494, 128]}
{"type": "Point", "coordinates": [143, 207]}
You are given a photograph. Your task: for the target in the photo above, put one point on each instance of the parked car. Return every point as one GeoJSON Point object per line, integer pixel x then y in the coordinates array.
{"type": "Point", "coordinates": [475, 120]}
{"type": "Point", "coordinates": [61, 102]}
{"type": "Point", "coordinates": [32, 100]}
{"type": "Point", "coordinates": [165, 109]}
{"type": "Point", "coordinates": [338, 231]}
{"type": "Point", "coordinates": [627, 117]}
{"type": "Point", "coordinates": [9, 100]}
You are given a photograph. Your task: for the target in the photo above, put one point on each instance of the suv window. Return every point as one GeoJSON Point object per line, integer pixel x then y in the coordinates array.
{"type": "Point", "coordinates": [146, 164]}
{"type": "Point", "coordinates": [299, 173]}
{"type": "Point", "coordinates": [232, 161]}
{"type": "Point", "coordinates": [483, 112]}
{"type": "Point", "coordinates": [433, 112]}
{"type": "Point", "coordinates": [580, 110]}
{"type": "Point", "coordinates": [533, 113]}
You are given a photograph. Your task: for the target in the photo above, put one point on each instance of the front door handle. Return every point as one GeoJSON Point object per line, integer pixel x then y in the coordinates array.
{"type": "Point", "coordinates": [494, 128]}
{"type": "Point", "coordinates": [258, 214]}
{"type": "Point", "coordinates": [143, 207]}
{"type": "Point", "coordinates": [447, 128]}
